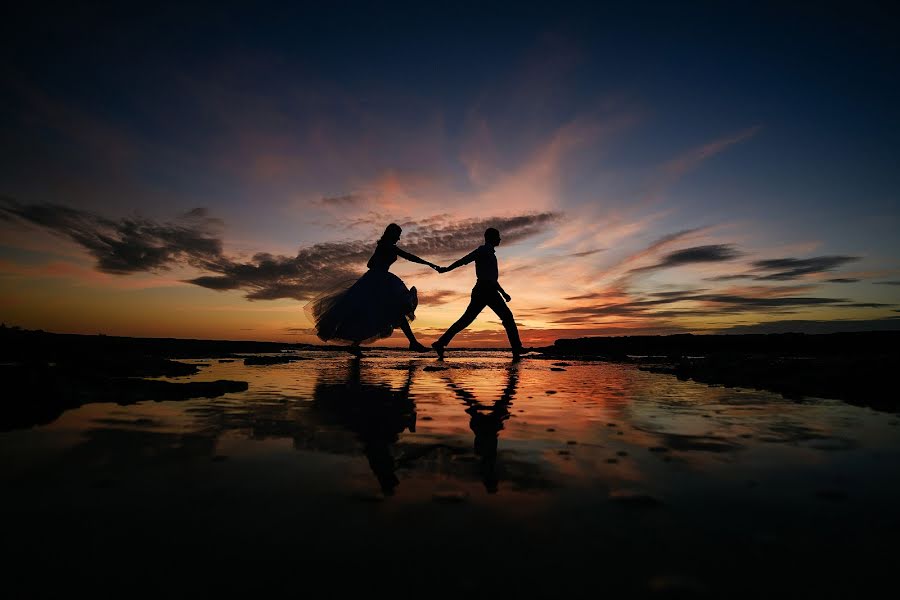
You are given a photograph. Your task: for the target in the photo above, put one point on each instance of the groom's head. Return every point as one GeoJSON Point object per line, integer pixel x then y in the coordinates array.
{"type": "Point", "coordinates": [491, 236]}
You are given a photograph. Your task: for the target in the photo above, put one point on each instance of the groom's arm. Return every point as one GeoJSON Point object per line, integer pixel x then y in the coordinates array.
{"type": "Point", "coordinates": [463, 261]}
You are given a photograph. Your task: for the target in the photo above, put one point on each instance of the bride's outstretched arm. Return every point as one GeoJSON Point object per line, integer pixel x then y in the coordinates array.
{"type": "Point", "coordinates": [414, 258]}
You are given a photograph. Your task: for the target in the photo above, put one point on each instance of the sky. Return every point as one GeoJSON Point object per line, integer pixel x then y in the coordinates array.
{"type": "Point", "coordinates": [203, 170]}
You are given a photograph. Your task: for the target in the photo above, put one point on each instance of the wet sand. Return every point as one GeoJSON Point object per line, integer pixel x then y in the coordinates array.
{"type": "Point", "coordinates": [474, 476]}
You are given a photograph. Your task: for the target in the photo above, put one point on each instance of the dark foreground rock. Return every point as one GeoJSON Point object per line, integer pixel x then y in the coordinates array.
{"type": "Point", "coordinates": [859, 380]}
{"type": "Point", "coordinates": [273, 360]}
{"type": "Point", "coordinates": [37, 394]}
{"type": "Point", "coordinates": [857, 368]}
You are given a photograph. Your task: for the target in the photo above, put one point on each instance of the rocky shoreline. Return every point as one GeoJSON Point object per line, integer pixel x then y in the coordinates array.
{"type": "Point", "coordinates": [856, 368]}
{"type": "Point", "coordinates": [48, 373]}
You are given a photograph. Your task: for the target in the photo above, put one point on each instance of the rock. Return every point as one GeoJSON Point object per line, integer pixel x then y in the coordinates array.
{"type": "Point", "coordinates": [621, 453]}
{"type": "Point", "coordinates": [832, 495]}
{"type": "Point", "coordinates": [104, 483]}
{"type": "Point", "coordinates": [551, 392]}
{"type": "Point", "coordinates": [557, 369]}
{"type": "Point", "coordinates": [373, 497]}
{"type": "Point", "coordinates": [632, 499]}
{"type": "Point", "coordinates": [550, 429]}
{"type": "Point", "coordinates": [676, 586]}
{"type": "Point", "coordinates": [450, 496]}
{"type": "Point", "coordinates": [433, 368]}
{"type": "Point", "coordinates": [562, 364]}
{"type": "Point", "coordinates": [272, 360]}
{"type": "Point", "coordinates": [129, 390]}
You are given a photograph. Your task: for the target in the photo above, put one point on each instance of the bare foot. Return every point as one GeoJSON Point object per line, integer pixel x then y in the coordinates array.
{"type": "Point", "coordinates": [439, 349]}
{"type": "Point", "coordinates": [417, 347]}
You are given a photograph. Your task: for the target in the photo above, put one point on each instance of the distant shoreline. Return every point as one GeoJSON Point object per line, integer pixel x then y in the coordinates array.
{"type": "Point", "coordinates": [858, 368]}
{"type": "Point", "coordinates": [673, 345]}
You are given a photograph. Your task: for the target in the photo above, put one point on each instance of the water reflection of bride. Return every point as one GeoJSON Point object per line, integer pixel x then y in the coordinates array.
{"type": "Point", "coordinates": [375, 412]}
{"type": "Point", "coordinates": [486, 422]}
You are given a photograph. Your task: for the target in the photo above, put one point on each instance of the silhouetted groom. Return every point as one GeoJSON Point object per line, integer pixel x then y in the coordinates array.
{"type": "Point", "coordinates": [487, 292]}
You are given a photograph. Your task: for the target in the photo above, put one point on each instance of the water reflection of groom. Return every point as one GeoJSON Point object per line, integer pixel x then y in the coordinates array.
{"type": "Point", "coordinates": [486, 422]}
{"type": "Point", "coordinates": [376, 413]}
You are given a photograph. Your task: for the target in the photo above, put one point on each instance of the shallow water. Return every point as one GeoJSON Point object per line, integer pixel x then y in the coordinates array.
{"type": "Point", "coordinates": [475, 475]}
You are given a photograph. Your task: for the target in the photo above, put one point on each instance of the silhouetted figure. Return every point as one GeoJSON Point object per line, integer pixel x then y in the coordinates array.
{"type": "Point", "coordinates": [486, 423]}
{"type": "Point", "coordinates": [373, 305]}
{"type": "Point", "coordinates": [487, 292]}
{"type": "Point", "coordinates": [376, 413]}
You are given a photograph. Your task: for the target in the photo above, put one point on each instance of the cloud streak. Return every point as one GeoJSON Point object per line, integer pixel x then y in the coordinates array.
{"type": "Point", "coordinates": [696, 254]}
{"type": "Point", "coordinates": [659, 305]}
{"type": "Point", "coordinates": [137, 244]}
{"type": "Point", "coordinates": [128, 245]}
{"type": "Point", "coordinates": [783, 269]}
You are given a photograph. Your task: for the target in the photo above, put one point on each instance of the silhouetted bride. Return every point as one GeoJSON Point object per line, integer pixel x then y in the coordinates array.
{"type": "Point", "coordinates": [374, 305]}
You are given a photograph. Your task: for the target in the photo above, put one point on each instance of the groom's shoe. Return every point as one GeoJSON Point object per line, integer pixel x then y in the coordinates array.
{"type": "Point", "coordinates": [439, 349]}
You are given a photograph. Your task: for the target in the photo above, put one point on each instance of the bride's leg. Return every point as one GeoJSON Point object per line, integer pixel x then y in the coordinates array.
{"type": "Point", "coordinates": [413, 342]}
{"type": "Point", "coordinates": [404, 325]}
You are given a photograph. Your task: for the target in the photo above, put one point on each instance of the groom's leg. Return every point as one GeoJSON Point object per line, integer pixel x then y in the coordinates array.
{"type": "Point", "coordinates": [506, 317]}
{"type": "Point", "coordinates": [476, 305]}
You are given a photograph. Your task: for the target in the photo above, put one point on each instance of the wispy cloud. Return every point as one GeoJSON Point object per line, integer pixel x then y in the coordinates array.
{"type": "Point", "coordinates": [817, 326]}
{"type": "Point", "coordinates": [127, 245]}
{"type": "Point", "coordinates": [587, 253]}
{"type": "Point", "coordinates": [658, 245]}
{"type": "Point", "coordinates": [435, 297]}
{"type": "Point", "coordinates": [132, 245]}
{"type": "Point", "coordinates": [782, 269]}
{"type": "Point", "coordinates": [676, 168]}
{"type": "Point", "coordinates": [344, 201]}
{"type": "Point", "coordinates": [691, 159]}
{"type": "Point", "coordinates": [696, 302]}
{"type": "Point", "coordinates": [787, 269]}
{"type": "Point", "coordinates": [696, 254]}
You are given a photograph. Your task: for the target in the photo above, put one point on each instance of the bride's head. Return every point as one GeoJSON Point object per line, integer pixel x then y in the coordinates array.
{"type": "Point", "coordinates": [391, 234]}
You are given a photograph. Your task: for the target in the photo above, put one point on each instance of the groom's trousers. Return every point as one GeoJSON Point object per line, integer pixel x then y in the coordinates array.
{"type": "Point", "coordinates": [485, 294]}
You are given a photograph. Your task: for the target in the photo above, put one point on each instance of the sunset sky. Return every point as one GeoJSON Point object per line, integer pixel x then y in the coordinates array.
{"type": "Point", "coordinates": [205, 170]}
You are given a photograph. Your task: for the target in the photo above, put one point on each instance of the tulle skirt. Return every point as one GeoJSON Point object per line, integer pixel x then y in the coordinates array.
{"type": "Point", "coordinates": [364, 310]}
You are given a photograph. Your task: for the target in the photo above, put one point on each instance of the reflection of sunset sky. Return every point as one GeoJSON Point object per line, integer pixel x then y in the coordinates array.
{"type": "Point", "coordinates": [684, 174]}
{"type": "Point", "coordinates": [607, 427]}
